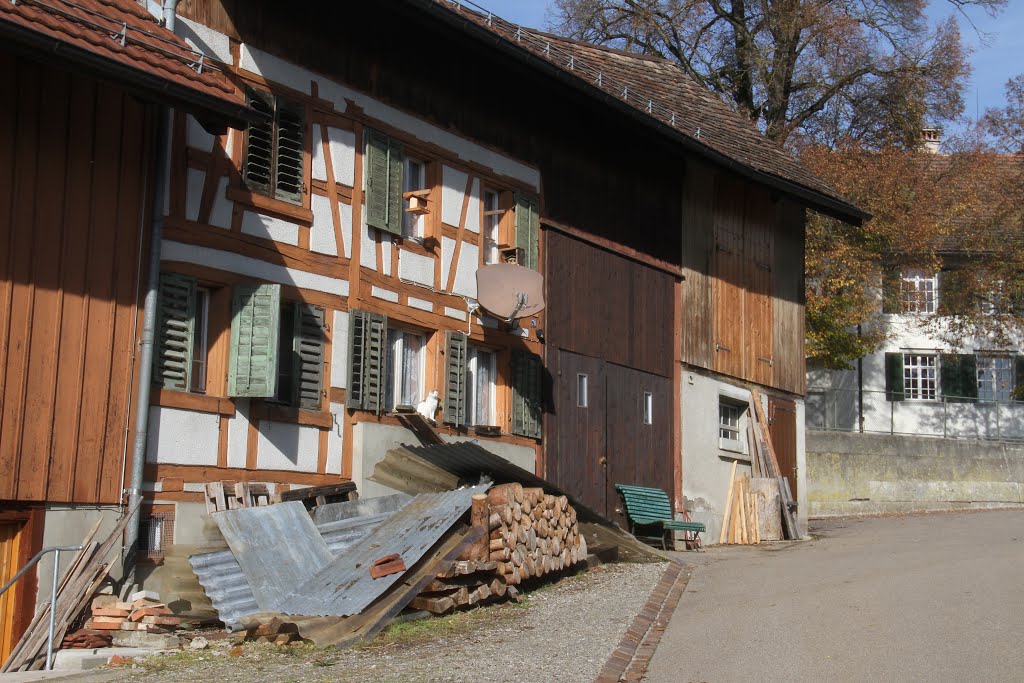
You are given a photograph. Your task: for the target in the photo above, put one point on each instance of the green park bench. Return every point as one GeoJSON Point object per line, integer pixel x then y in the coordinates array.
{"type": "Point", "coordinates": [650, 508]}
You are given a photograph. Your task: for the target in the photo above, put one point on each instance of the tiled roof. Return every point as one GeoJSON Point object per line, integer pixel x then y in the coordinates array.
{"type": "Point", "coordinates": [121, 37]}
{"type": "Point", "coordinates": [657, 88]}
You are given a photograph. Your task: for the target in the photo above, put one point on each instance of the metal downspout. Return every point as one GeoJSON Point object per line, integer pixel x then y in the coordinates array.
{"type": "Point", "coordinates": [162, 162]}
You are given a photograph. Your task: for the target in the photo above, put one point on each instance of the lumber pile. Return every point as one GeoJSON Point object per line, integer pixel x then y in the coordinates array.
{"type": "Point", "coordinates": [527, 534]}
{"type": "Point", "coordinates": [741, 525]}
{"type": "Point", "coordinates": [82, 578]}
{"type": "Point", "coordinates": [143, 611]}
{"type": "Point", "coordinates": [532, 533]}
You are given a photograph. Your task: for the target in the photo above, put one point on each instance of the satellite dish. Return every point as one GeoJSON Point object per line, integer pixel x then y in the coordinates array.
{"type": "Point", "coordinates": [510, 291]}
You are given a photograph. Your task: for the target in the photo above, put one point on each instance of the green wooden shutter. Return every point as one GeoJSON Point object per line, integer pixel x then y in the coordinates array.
{"type": "Point", "coordinates": [891, 302]}
{"type": "Point", "coordinates": [367, 339]}
{"type": "Point", "coordinates": [894, 376]}
{"type": "Point", "coordinates": [309, 355]}
{"type": "Point", "coordinates": [456, 350]}
{"type": "Point", "coordinates": [526, 394]}
{"type": "Point", "coordinates": [384, 203]}
{"type": "Point", "coordinates": [1018, 378]}
{"type": "Point", "coordinates": [290, 133]}
{"type": "Point", "coordinates": [958, 377]}
{"type": "Point", "coordinates": [255, 328]}
{"type": "Point", "coordinates": [952, 292]}
{"type": "Point", "coordinates": [172, 362]}
{"type": "Point", "coordinates": [528, 229]}
{"type": "Point", "coordinates": [258, 156]}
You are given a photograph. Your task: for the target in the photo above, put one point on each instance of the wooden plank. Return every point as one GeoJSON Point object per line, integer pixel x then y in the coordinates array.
{"type": "Point", "coordinates": [728, 504]}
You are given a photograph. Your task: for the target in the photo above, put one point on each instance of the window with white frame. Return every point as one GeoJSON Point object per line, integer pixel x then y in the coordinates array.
{"type": "Point", "coordinates": [919, 291]}
{"type": "Point", "coordinates": [492, 226]}
{"type": "Point", "coordinates": [414, 178]}
{"type": "Point", "coordinates": [992, 303]}
{"type": "Point", "coordinates": [403, 379]}
{"type": "Point", "coordinates": [481, 373]}
{"type": "Point", "coordinates": [920, 376]}
{"type": "Point", "coordinates": [731, 423]}
{"type": "Point", "coordinates": [995, 377]}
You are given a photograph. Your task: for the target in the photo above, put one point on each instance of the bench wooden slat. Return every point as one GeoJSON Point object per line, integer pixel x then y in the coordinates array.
{"type": "Point", "coordinates": [648, 506]}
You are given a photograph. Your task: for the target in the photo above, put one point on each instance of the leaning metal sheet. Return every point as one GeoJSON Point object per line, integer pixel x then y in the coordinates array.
{"type": "Point", "coordinates": [277, 546]}
{"type": "Point", "coordinates": [344, 587]}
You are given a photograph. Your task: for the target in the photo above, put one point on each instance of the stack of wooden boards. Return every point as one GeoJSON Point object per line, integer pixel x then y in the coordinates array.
{"type": "Point", "coordinates": [532, 533]}
{"type": "Point", "coordinates": [764, 463]}
{"type": "Point", "coordinates": [528, 534]}
{"type": "Point", "coordinates": [83, 577]}
{"type": "Point", "coordinates": [143, 611]}
{"type": "Point", "coordinates": [742, 524]}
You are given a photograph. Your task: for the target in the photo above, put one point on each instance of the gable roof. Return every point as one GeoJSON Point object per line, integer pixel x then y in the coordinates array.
{"type": "Point", "coordinates": [120, 41]}
{"type": "Point", "coordinates": [659, 94]}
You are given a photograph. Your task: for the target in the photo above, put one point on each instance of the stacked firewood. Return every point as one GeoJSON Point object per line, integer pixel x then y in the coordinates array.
{"type": "Point", "coordinates": [464, 583]}
{"type": "Point", "coordinates": [532, 533]}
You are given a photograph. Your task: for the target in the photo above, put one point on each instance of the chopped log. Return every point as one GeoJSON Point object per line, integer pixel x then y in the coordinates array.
{"type": "Point", "coordinates": [435, 605]}
{"type": "Point", "coordinates": [505, 494]}
{"type": "Point", "coordinates": [478, 517]}
{"type": "Point", "coordinates": [494, 521]}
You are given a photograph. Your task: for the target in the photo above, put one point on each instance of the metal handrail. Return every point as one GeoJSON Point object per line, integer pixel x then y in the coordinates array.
{"type": "Point", "coordinates": [56, 549]}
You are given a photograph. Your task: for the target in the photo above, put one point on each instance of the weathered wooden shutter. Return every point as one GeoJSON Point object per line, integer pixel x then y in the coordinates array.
{"type": "Point", "coordinates": [258, 159]}
{"type": "Point", "coordinates": [384, 203]}
{"type": "Point", "coordinates": [456, 350]}
{"type": "Point", "coordinates": [255, 328]}
{"type": "Point", "coordinates": [526, 394]}
{"type": "Point", "coordinates": [172, 362]}
{"type": "Point", "coordinates": [891, 300]}
{"type": "Point", "coordinates": [367, 340]}
{"type": "Point", "coordinates": [894, 376]}
{"type": "Point", "coordinates": [528, 229]}
{"type": "Point", "coordinates": [290, 135]}
{"type": "Point", "coordinates": [309, 355]}
{"type": "Point", "coordinates": [958, 377]}
{"type": "Point", "coordinates": [1018, 378]}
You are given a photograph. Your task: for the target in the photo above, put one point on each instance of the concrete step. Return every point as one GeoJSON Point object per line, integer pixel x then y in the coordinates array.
{"type": "Point", "coordinates": [84, 659]}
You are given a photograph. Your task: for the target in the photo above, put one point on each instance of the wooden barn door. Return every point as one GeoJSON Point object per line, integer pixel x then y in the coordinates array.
{"type": "Point", "coordinates": [579, 465]}
{"type": "Point", "coordinates": [9, 554]}
{"type": "Point", "coordinates": [782, 427]}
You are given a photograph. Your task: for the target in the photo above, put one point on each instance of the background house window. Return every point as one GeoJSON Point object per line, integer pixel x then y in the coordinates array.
{"type": "Point", "coordinates": [492, 226]}
{"type": "Point", "coordinates": [272, 159]}
{"type": "Point", "coordinates": [414, 178]}
{"type": "Point", "coordinates": [995, 377]}
{"type": "Point", "coordinates": [480, 382]}
{"type": "Point", "coordinates": [403, 377]}
{"type": "Point", "coordinates": [920, 376]}
{"type": "Point", "coordinates": [731, 425]}
{"type": "Point", "coordinates": [919, 291]}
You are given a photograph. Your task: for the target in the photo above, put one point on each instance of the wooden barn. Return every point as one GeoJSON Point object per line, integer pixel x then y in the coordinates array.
{"type": "Point", "coordinates": [332, 190]}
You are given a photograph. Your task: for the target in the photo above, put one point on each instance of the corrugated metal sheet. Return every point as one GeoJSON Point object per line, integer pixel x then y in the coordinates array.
{"type": "Point", "coordinates": [334, 512]}
{"type": "Point", "coordinates": [277, 546]}
{"type": "Point", "coordinates": [344, 587]}
{"type": "Point", "coordinates": [221, 576]}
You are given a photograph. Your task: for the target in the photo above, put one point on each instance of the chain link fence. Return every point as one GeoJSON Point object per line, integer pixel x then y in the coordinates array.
{"type": "Point", "coordinates": [853, 410]}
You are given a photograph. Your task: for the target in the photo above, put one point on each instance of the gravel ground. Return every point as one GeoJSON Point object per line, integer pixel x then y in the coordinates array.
{"type": "Point", "coordinates": [562, 632]}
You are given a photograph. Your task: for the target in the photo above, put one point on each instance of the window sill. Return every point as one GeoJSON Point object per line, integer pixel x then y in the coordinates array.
{"type": "Point", "coordinates": [270, 205]}
{"type": "Point", "coordinates": [200, 403]}
{"type": "Point", "coordinates": [262, 410]}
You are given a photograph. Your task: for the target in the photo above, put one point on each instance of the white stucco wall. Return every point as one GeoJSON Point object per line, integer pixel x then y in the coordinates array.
{"type": "Point", "coordinates": [182, 437]}
{"type": "Point", "coordinates": [287, 446]}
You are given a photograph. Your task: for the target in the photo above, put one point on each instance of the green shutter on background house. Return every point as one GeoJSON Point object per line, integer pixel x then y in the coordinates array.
{"type": "Point", "coordinates": [526, 394]}
{"type": "Point", "coordinates": [891, 290]}
{"type": "Point", "coordinates": [309, 354]}
{"type": "Point", "coordinates": [289, 175]}
{"type": "Point", "coordinates": [456, 350]}
{"type": "Point", "coordinates": [1018, 378]}
{"type": "Point", "coordinates": [255, 328]}
{"type": "Point", "coordinates": [894, 376]}
{"type": "Point", "coordinates": [528, 229]}
{"type": "Point", "coordinates": [367, 337]}
{"type": "Point", "coordinates": [172, 362]}
{"type": "Point", "coordinates": [384, 203]}
{"type": "Point", "coordinates": [952, 291]}
{"type": "Point", "coordinates": [958, 377]}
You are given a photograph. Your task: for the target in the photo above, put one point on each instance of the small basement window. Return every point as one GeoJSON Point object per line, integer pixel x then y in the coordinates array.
{"type": "Point", "coordinates": [731, 425]}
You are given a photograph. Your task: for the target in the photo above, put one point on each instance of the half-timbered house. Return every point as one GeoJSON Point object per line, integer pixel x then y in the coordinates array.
{"type": "Point", "coordinates": [318, 265]}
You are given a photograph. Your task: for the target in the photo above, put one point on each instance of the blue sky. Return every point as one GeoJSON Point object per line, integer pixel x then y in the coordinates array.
{"type": "Point", "coordinates": [995, 62]}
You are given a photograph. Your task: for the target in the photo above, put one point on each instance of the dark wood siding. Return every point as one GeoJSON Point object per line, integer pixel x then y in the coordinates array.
{"type": "Point", "coordinates": [607, 306]}
{"type": "Point", "coordinates": [72, 188]}
{"type": "Point", "coordinates": [698, 242]}
{"type": "Point", "coordinates": [782, 428]}
{"type": "Point", "coordinates": [790, 369]}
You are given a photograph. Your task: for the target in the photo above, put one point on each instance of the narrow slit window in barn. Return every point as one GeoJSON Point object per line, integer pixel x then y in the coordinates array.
{"type": "Point", "coordinates": [648, 408]}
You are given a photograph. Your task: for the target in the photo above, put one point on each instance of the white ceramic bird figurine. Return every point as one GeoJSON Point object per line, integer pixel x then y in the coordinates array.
{"type": "Point", "coordinates": [428, 407]}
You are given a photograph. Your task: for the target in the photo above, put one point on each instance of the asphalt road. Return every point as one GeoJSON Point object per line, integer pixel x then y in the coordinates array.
{"type": "Point", "coordinates": [936, 597]}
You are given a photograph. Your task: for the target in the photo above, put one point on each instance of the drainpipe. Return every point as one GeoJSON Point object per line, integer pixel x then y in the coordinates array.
{"type": "Point", "coordinates": [163, 136]}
